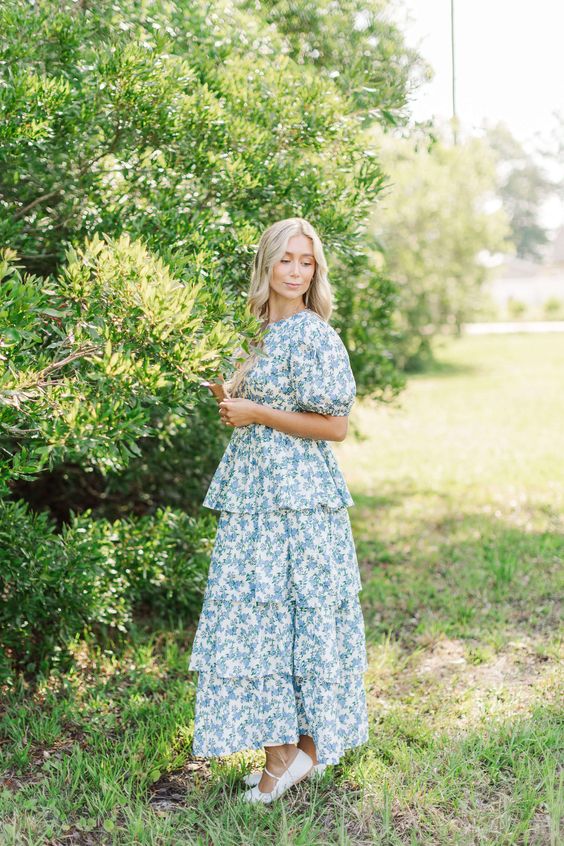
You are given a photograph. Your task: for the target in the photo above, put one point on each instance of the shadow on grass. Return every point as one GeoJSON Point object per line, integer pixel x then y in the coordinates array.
{"type": "Point", "coordinates": [437, 367]}
{"type": "Point", "coordinates": [455, 574]}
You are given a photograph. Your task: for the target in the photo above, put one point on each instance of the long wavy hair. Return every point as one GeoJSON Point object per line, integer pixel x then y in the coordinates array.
{"type": "Point", "coordinates": [318, 297]}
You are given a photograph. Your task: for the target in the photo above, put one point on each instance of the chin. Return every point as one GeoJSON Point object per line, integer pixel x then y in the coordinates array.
{"type": "Point", "coordinates": [292, 292]}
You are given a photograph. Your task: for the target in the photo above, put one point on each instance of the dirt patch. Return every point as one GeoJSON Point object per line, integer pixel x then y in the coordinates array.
{"type": "Point", "coordinates": [519, 674]}
{"type": "Point", "coordinates": [442, 658]}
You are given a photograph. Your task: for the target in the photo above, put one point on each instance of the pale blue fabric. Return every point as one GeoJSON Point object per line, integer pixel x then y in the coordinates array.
{"type": "Point", "coordinates": [280, 646]}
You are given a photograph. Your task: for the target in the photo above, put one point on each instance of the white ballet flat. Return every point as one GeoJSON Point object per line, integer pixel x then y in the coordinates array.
{"type": "Point", "coordinates": [299, 769]}
{"type": "Point", "coordinates": [253, 778]}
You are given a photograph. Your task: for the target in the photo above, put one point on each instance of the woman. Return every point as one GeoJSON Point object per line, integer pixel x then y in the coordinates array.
{"type": "Point", "coordinates": [280, 644]}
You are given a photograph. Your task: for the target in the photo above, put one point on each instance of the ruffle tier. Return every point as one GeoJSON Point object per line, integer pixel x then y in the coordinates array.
{"type": "Point", "coordinates": [263, 469]}
{"type": "Point", "coordinates": [253, 639]}
{"type": "Point", "coordinates": [248, 713]}
{"type": "Point", "coordinates": [307, 556]}
{"type": "Point", "coordinates": [280, 645]}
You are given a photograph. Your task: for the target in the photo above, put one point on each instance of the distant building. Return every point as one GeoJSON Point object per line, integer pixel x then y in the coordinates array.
{"type": "Point", "coordinates": [556, 248]}
{"type": "Point", "coordinates": [529, 282]}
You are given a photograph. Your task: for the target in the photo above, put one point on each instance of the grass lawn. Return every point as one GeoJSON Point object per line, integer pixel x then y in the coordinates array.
{"type": "Point", "coordinates": [458, 519]}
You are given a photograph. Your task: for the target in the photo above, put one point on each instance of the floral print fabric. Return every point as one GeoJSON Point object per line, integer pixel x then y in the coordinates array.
{"type": "Point", "coordinates": [280, 645]}
{"type": "Point", "coordinates": [305, 368]}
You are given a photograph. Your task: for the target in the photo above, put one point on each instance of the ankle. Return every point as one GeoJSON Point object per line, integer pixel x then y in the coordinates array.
{"type": "Point", "coordinates": [278, 758]}
{"type": "Point", "coordinates": [307, 745]}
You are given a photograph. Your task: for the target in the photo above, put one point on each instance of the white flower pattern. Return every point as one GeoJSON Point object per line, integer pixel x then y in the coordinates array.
{"type": "Point", "coordinates": [280, 645]}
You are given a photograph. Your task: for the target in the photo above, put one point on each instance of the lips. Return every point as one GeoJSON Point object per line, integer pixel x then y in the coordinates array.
{"type": "Point", "coordinates": [292, 285]}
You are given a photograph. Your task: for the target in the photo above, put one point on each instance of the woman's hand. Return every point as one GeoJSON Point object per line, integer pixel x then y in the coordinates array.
{"type": "Point", "coordinates": [236, 411]}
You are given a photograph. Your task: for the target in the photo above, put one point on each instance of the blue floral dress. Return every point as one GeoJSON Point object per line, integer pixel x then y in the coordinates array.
{"type": "Point", "coordinates": [280, 644]}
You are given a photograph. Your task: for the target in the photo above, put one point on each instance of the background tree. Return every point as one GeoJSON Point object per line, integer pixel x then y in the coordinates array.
{"type": "Point", "coordinates": [431, 230]}
{"type": "Point", "coordinates": [523, 185]}
{"type": "Point", "coordinates": [354, 44]}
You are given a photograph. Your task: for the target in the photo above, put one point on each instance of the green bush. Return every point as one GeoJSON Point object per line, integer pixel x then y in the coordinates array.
{"type": "Point", "coordinates": [52, 587]}
{"type": "Point", "coordinates": [92, 578]}
{"type": "Point", "coordinates": [100, 356]}
{"type": "Point", "coordinates": [144, 147]}
{"type": "Point", "coordinates": [553, 307]}
{"type": "Point", "coordinates": [165, 559]}
{"type": "Point", "coordinates": [516, 309]}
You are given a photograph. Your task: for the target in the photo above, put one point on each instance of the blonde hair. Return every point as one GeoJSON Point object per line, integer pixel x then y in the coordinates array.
{"type": "Point", "coordinates": [271, 249]}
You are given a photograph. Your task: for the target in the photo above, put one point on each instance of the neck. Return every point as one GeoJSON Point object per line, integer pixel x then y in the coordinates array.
{"type": "Point", "coordinates": [274, 314]}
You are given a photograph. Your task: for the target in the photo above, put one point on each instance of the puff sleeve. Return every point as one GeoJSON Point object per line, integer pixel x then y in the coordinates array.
{"type": "Point", "coordinates": [320, 370]}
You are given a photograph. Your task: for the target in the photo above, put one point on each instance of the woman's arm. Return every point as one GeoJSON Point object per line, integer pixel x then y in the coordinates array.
{"type": "Point", "coordinates": [323, 427]}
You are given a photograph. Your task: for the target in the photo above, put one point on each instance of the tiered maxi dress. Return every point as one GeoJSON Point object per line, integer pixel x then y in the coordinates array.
{"type": "Point", "coordinates": [280, 645]}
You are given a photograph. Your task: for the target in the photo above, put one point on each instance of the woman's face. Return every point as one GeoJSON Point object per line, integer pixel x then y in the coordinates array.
{"type": "Point", "coordinates": [292, 275]}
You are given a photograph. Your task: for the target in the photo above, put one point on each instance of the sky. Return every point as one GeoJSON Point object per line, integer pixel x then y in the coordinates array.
{"type": "Point", "coordinates": [509, 66]}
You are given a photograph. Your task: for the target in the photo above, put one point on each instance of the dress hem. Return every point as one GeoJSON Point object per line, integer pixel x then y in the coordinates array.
{"type": "Point", "coordinates": [330, 506]}
{"type": "Point", "coordinates": [328, 759]}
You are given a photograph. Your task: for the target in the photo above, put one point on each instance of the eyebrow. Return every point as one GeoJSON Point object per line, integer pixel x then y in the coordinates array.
{"type": "Point", "coordinates": [288, 253]}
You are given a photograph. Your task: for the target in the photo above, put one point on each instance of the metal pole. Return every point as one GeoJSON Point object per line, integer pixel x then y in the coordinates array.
{"type": "Point", "coordinates": [454, 118]}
